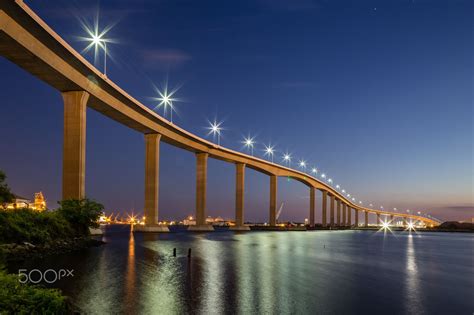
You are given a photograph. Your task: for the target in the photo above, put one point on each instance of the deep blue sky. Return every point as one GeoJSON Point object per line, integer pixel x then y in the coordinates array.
{"type": "Point", "coordinates": [377, 94]}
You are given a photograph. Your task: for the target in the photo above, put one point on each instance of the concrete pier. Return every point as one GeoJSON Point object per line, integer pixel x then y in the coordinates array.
{"type": "Point", "coordinates": [312, 205]}
{"type": "Point", "coordinates": [152, 180]}
{"type": "Point", "coordinates": [239, 198]}
{"type": "Point", "coordinates": [273, 199]}
{"type": "Point", "coordinates": [378, 219]}
{"type": "Point", "coordinates": [349, 216]}
{"type": "Point", "coordinates": [356, 217]}
{"type": "Point", "coordinates": [338, 209]}
{"type": "Point", "coordinates": [74, 144]}
{"type": "Point", "coordinates": [332, 203]}
{"type": "Point", "coordinates": [324, 208]}
{"type": "Point", "coordinates": [366, 223]}
{"type": "Point", "coordinates": [344, 211]}
{"type": "Point", "coordinates": [201, 183]}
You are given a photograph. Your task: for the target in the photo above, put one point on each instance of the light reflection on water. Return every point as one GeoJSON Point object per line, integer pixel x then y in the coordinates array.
{"type": "Point", "coordinates": [271, 272]}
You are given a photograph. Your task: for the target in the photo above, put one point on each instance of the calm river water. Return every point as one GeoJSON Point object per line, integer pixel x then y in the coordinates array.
{"type": "Point", "coordinates": [314, 272]}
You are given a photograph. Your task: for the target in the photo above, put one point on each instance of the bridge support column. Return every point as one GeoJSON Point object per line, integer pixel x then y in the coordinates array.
{"type": "Point", "coordinates": [366, 223]}
{"type": "Point", "coordinates": [391, 219]}
{"type": "Point", "coordinates": [356, 218]}
{"type": "Point", "coordinates": [74, 144]}
{"type": "Point", "coordinates": [344, 208]}
{"type": "Point", "coordinates": [349, 215]}
{"type": "Point", "coordinates": [338, 209]}
{"type": "Point", "coordinates": [152, 182]}
{"type": "Point", "coordinates": [273, 199]}
{"type": "Point", "coordinates": [201, 183]}
{"type": "Point", "coordinates": [312, 205]}
{"type": "Point", "coordinates": [324, 209]}
{"type": "Point", "coordinates": [378, 219]}
{"type": "Point", "coordinates": [331, 214]}
{"type": "Point", "coordinates": [239, 198]}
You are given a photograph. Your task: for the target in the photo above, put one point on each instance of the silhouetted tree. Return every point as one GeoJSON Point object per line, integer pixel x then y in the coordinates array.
{"type": "Point", "coordinates": [5, 194]}
{"type": "Point", "coordinates": [81, 214]}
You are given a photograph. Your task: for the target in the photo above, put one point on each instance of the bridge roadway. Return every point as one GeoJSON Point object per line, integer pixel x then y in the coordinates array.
{"type": "Point", "coordinates": [27, 41]}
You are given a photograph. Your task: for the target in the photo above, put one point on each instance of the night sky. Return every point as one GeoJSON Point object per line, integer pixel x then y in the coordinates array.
{"type": "Point", "coordinates": [377, 94]}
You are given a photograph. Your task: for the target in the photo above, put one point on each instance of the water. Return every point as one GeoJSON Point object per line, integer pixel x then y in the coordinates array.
{"type": "Point", "coordinates": [332, 272]}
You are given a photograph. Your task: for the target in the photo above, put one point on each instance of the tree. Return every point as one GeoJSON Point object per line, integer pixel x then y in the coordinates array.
{"type": "Point", "coordinates": [5, 194]}
{"type": "Point", "coordinates": [81, 214]}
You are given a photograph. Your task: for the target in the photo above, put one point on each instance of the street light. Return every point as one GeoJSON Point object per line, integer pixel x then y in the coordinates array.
{"type": "Point", "coordinates": [249, 143]}
{"type": "Point", "coordinates": [287, 158]}
{"type": "Point", "coordinates": [302, 164]}
{"type": "Point", "coordinates": [215, 129]}
{"type": "Point", "coordinates": [96, 40]}
{"type": "Point", "coordinates": [323, 175]}
{"type": "Point", "coordinates": [166, 100]}
{"type": "Point", "coordinates": [269, 150]}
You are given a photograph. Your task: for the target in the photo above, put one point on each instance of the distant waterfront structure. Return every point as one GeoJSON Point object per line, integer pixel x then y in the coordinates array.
{"type": "Point", "coordinates": [190, 220]}
{"type": "Point", "coordinates": [39, 203]}
{"type": "Point", "coordinates": [217, 221]}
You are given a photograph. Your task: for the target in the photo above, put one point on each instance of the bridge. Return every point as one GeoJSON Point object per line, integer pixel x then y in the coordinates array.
{"type": "Point", "coordinates": [27, 41]}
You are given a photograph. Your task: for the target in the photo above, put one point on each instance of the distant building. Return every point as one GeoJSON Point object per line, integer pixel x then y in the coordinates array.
{"type": "Point", "coordinates": [189, 221]}
{"type": "Point", "coordinates": [39, 203]}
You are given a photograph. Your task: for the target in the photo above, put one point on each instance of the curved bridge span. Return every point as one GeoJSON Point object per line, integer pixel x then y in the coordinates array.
{"type": "Point", "coordinates": [27, 41]}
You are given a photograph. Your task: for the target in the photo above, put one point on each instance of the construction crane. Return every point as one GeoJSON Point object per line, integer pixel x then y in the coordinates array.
{"type": "Point", "coordinates": [279, 211]}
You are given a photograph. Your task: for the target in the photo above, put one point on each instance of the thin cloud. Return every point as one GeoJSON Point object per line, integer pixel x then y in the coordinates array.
{"type": "Point", "coordinates": [165, 58]}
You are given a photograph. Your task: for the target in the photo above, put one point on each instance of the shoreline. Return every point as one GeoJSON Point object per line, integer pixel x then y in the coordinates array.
{"type": "Point", "coordinates": [18, 252]}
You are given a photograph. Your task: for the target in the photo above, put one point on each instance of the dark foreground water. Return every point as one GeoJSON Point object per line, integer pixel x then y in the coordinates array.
{"type": "Point", "coordinates": [338, 272]}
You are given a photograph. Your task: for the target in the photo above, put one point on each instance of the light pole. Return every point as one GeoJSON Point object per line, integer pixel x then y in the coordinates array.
{"type": "Point", "coordinates": [249, 143]}
{"type": "Point", "coordinates": [96, 40]}
{"type": "Point", "coordinates": [287, 159]}
{"type": "Point", "coordinates": [166, 99]}
{"type": "Point", "coordinates": [215, 129]}
{"type": "Point", "coordinates": [302, 164]}
{"type": "Point", "coordinates": [269, 150]}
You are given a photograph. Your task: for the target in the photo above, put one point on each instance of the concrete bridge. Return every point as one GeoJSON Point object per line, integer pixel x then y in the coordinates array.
{"type": "Point", "coordinates": [26, 40]}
